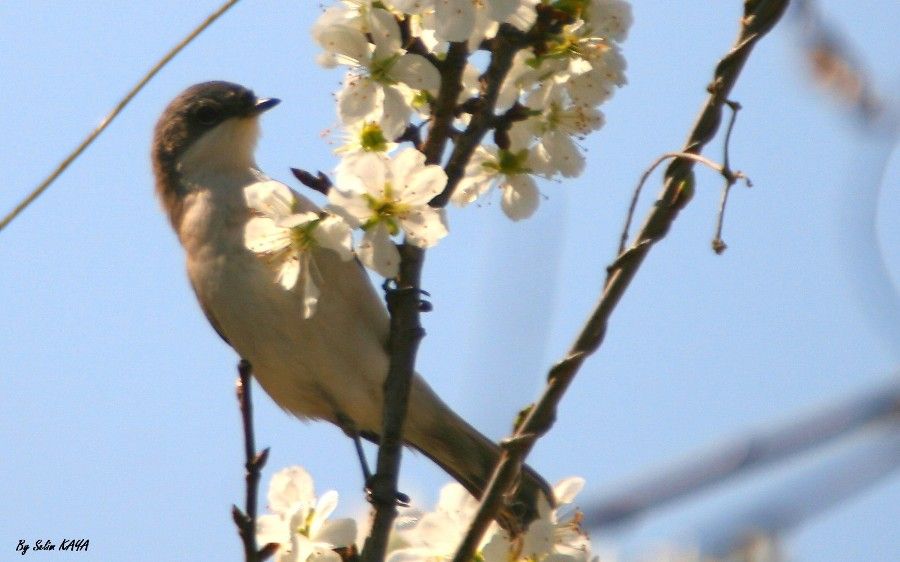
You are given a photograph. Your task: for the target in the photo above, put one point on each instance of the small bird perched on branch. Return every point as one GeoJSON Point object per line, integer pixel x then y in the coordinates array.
{"type": "Point", "coordinates": [330, 365]}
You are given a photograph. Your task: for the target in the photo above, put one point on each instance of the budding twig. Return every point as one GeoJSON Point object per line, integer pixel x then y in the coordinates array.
{"type": "Point", "coordinates": [246, 520]}
{"type": "Point", "coordinates": [731, 178]}
{"type": "Point", "coordinates": [759, 17]}
{"type": "Point", "coordinates": [682, 198]}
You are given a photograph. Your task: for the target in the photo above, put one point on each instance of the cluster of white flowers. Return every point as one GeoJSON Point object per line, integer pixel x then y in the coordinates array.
{"type": "Point", "coordinates": [567, 62]}
{"type": "Point", "coordinates": [559, 81]}
{"type": "Point", "coordinates": [300, 527]}
{"type": "Point", "coordinates": [299, 522]}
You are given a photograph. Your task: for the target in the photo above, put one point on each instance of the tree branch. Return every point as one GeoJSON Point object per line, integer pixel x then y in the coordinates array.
{"type": "Point", "coordinates": [403, 300]}
{"type": "Point", "coordinates": [759, 17]}
{"type": "Point", "coordinates": [92, 136]}
{"type": "Point", "coordinates": [506, 43]}
{"type": "Point", "coordinates": [246, 520]}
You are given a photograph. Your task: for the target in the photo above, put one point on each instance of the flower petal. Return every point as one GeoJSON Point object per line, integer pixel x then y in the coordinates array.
{"type": "Point", "coordinates": [289, 271]}
{"type": "Point", "coordinates": [417, 72]}
{"type": "Point", "coordinates": [378, 252]}
{"type": "Point", "coordinates": [310, 289]}
{"type": "Point", "coordinates": [406, 163]}
{"type": "Point", "coordinates": [289, 486]}
{"type": "Point", "coordinates": [368, 171]}
{"type": "Point", "coordinates": [424, 226]}
{"type": "Point", "coordinates": [352, 208]}
{"type": "Point", "coordinates": [326, 504]}
{"type": "Point", "coordinates": [272, 528]}
{"type": "Point", "coordinates": [566, 490]}
{"type": "Point", "coordinates": [395, 112]}
{"type": "Point", "coordinates": [338, 532]}
{"type": "Point", "coordinates": [385, 33]}
{"type": "Point", "coordinates": [271, 198]}
{"type": "Point", "coordinates": [455, 19]}
{"type": "Point", "coordinates": [348, 43]}
{"type": "Point", "coordinates": [262, 236]}
{"type": "Point", "coordinates": [333, 233]}
{"type": "Point", "coordinates": [565, 157]}
{"type": "Point", "coordinates": [423, 186]}
{"type": "Point", "coordinates": [359, 97]}
{"type": "Point", "coordinates": [520, 197]}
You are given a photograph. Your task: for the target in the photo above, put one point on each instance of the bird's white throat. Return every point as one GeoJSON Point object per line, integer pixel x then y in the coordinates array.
{"type": "Point", "coordinates": [225, 150]}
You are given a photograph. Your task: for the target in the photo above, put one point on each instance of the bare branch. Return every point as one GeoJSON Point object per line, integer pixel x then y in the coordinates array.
{"type": "Point", "coordinates": [246, 520]}
{"type": "Point", "coordinates": [759, 17]}
{"type": "Point", "coordinates": [685, 192]}
{"type": "Point", "coordinates": [505, 44]}
{"type": "Point", "coordinates": [731, 177]}
{"type": "Point", "coordinates": [37, 191]}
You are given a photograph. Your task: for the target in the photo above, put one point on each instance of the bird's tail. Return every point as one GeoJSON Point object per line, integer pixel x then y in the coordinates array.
{"type": "Point", "coordinates": [467, 455]}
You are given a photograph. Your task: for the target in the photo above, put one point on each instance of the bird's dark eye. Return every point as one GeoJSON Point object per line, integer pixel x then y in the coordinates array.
{"type": "Point", "coordinates": [207, 113]}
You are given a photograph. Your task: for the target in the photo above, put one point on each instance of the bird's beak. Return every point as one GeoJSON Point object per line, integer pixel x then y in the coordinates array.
{"type": "Point", "coordinates": [265, 104]}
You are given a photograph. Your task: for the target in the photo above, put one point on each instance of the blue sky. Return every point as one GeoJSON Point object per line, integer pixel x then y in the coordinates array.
{"type": "Point", "coordinates": [118, 417]}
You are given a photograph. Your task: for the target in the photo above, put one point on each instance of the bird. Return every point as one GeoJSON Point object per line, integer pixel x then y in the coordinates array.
{"type": "Point", "coordinates": [330, 366]}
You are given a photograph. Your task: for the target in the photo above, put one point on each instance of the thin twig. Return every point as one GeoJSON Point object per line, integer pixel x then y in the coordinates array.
{"type": "Point", "coordinates": [253, 464]}
{"type": "Point", "coordinates": [506, 43]}
{"type": "Point", "coordinates": [718, 244]}
{"type": "Point", "coordinates": [759, 17]}
{"type": "Point", "coordinates": [623, 239]}
{"type": "Point", "coordinates": [112, 114]}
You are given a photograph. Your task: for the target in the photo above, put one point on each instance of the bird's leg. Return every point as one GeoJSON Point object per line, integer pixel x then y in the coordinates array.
{"type": "Point", "coordinates": [349, 428]}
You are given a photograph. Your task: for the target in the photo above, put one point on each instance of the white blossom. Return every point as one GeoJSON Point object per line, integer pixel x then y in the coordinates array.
{"type": "Point", "coordinates": [436, 535]}
{"type": "Point", "coordinates": [556, 122]}
{"type": "Point", "coordinates": [365, 136]}
{"type": "Point", "coordinates": [299, 521]}
{"type": "Point", "coordinates": [505, 170]}
{"type": "Point", "coordinates": [609, 18]}
{"type": "Point", "coordinates": [384, 196]}
{"type": "Point", "coordinates": [465, 20]}
{"type": "Point", "coordinates": [380, 88]}
{"type": "Point", "coordinates": [552, 91]}
{"type": "Point", "coordinates": [288, 240]}
{"type": "Point", "coordinates": [552, 537]}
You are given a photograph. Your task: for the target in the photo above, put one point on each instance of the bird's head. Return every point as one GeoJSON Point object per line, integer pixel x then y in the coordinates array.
{"type": "Point", "coordinates": [209, 128]}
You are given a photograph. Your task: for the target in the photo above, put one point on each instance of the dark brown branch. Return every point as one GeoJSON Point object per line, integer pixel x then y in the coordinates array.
{"type": "Point", "coordinates": [404, 301]}
{"type": "Point", "coordinates": [246, 520]}
{"type": "Point", "coordinates": [506, 43]}
{"type": "Point", "coordinates": [759, 17]}
{"type": "Point", "coordinates": [406, 333]}
{"type": "Point", "coordinates": [404, 305]}
{"type": "Point", "coordinates": [443, 112]}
